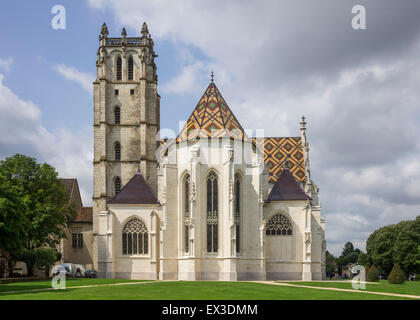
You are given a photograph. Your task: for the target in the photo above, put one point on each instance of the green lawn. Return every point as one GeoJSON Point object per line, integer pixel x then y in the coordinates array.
{"type": "Point", "coordinates": [179, 290]}
{"type": "Point", "coordinates": [43, 284]}
{"type": "Point", "coordinates": [409, 287]}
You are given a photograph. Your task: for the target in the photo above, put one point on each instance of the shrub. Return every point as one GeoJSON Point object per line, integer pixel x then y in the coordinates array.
{"type": "Point", "coordinates": [417, 278]}
{"type": "Point", "coordinates": [373, 274]}
{"type": "Point", "coordinates": [397, 275]}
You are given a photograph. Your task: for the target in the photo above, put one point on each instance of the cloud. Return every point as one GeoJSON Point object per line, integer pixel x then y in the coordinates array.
{"type": "Point", "coordinates": [82, 78]}
{"type": "Point", "coordinates": [188, 80]}
{"type": "Point", "coordinates": [276, 60]}
{"type": "Point", "coordinates": [21, 131]}
{"type": "Point", "coordinates": [6, 64]}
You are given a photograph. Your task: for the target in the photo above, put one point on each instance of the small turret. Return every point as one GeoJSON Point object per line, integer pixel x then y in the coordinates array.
{"type": "Point", "coordinates": [104, 31]}
{"type": "Point", "coordinates": [144, 30]}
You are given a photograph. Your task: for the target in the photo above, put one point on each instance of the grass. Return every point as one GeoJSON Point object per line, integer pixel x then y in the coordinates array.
{"type": "Point", "coordinates": [179, 290]}
{"type": "Point", "coordinates": [44, 284]}
{"type": "Point", "coordinates": [408, 287]}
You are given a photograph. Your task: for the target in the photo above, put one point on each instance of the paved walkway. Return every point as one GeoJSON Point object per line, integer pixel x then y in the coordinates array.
{"type": "Point", "coordinates": [339, 289]}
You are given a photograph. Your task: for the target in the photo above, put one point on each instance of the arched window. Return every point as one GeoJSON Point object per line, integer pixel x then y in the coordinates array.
{"type": "Point", "coordinates": [117, 115]}
{"type": "Point", "coordinates": [212, 213]}
{"type": "Point", "coordinates": [130, 68]}
{"type": "Point", "coordinates": [117, 185]}
{"type": "Point", "coordinates": [237, 210]}
{"type": "Point", "coordinates": [278, 225]}
{"type": "Point", "coordinates": [135, 237]}
{"type": "Point", "coordinates": [186, 191]}
{"type": "Point", "coordinates": [119, 68]}
{"type": "Point", "coordinates": [117, 151]}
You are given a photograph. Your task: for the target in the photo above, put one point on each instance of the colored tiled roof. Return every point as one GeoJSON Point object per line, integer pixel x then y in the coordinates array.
{"type": "Point", "coordinates": [276, 150]}
{"type": "Point", "coordinates": [212, 118]}
{"type": "Point", "coordinates": [84, 214]}
{"type": "Point", "coordinates": [287, 188]}
{"type": "Point", "coordinates": [136, 191]}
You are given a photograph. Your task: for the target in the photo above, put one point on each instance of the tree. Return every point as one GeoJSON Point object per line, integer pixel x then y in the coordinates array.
{"type": "Point", "coordinates": [12, 226]}
{"type": "Point", "coordinates": [397, 275]}
{"type": "Point", "coordinates": [45, 258]}
{"type": "Point", "coordinates": [363, 259]}
{"type": "Point", "coordinates": [348, 248]}
{"type": "Point", "coordinates": [396, 244]}
{"type": "Point", "coordinates": [372, 274]}
{"type": "Point", "coordinates": [46, 211]}
{"type": "Point", "coordinates": [330, 263]}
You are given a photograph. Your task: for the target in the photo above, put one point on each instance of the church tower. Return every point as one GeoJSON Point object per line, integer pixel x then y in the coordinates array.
{"type": "Point", "coordinates": [126, 120]}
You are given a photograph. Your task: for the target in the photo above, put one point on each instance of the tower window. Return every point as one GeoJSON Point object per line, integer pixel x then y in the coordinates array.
{"type": "Point", "coordinates": [117, 115]}
{"type": "Point", "coordinates": [237, 211]}
{"type": "Point", "coordinates": [212, 213]}
{"type": "Point", "coordinates": [119, 68]}
{"type": "Point", "coordinates": [130, 69]}
{"type": "Point", "coordinates": [117, 152]}
{"type": "Point", "coordinates": [187, 182]}
{"type": "Point", "coordinates": [117, 185]}
{"type": "Point", "coordinates": [116, 92]}
{"type": "Point", "coordinates": [132, 91]}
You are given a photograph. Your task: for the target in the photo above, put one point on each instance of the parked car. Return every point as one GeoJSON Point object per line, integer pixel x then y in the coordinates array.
{"type": "Point", "coordinates": [68, 269]}
{"type": "Point", "coordinates": [90, 273]}
{"type": "Point", "coordinates": [80, 270]}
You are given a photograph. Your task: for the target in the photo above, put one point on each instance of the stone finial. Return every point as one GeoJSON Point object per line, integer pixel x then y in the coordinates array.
{"type": "Point", "coordinates": [144, 30]}
{"type": "Point", "coordinates": [212, 76]}
{"type": "Point", "coordinates": [303, 123]}
{"type": "Point", "coordinates": [104, 30]}
{"type": "Point", "coordinates": [124, 33]}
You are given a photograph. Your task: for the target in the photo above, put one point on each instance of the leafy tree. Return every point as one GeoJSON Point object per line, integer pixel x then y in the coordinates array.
{"type": "Point", "coordinates": [372, 274]}
{"type": "Point", "coordinates": [363, 259]}
{"type": "Point", "coordinates": [29, 257]}
{"type": "Point", "coordinates": [45, 211]}
{"type": "Point", "coordinates": [348, 248]}
{"type": "Point", "coordinates": [405, 251]}
{"type": "Point", "coordinates": [45, 258]}
{"type": "Point", "coordinates": [396, 244]}
{"type": "Point", "coordinates": [397, 275]}
{"type": "Point", "coordinates": [330, 263]}
{"type": "Point", "coordinates": [12, 224]}
{"type": "Point", "coordinates": [379, 247]}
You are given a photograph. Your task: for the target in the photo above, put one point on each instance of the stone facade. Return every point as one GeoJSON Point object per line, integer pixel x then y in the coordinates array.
{"type": "Point", "coordinates": [246, 242]}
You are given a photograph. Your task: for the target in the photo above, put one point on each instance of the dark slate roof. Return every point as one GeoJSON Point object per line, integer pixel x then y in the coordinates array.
{"type": "Point", "coordinates": [136, 191]}
{"type": "Point", "coordinates": [84, 214]}
{"type": "Point", "coordinates": [72, 188]}
{"type": "Point", "coordinates": [287, 188]}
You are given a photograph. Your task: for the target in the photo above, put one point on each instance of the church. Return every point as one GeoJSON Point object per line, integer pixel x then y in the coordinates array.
{"type": "Point", "coordinates": [212, 203]}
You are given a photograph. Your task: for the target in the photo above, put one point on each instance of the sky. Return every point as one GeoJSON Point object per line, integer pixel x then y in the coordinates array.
{"type": "Point", "coordinates": [274, 61]}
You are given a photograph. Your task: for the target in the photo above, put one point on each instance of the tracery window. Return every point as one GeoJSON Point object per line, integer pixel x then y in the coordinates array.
{"type": "Point", "coordinates": [117, 151]}
{"type": "Point", "coordinates": [117, 115]}
{"type": "Point", "coordinates": [187, 183]}
{"type": "Point", "coordinates": [212, 213]}
{"type": "Point", "coordinates": [135, 237]}
{"type": "Point", "coordinates": [119, 68]}
{"type": "Point", "coordinates": [237, 211]}
{"type": "Point", "coordinates": [130, 68]}
{"type": "Point", "coordinates": [117, 185]}
{"type": "Point", "coordinates": [278, 225]}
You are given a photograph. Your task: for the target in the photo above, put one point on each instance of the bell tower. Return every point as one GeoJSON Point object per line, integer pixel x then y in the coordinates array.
{"type": "Point", "coordinates": [126, 119]}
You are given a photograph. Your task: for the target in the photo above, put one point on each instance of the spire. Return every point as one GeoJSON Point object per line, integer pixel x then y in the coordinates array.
{"type": "Point", "coordinates": [212, 76]}
{"type": "Point", "coordinates": [144, 30]}
{"type": "Point", "coordinates": [124, 33]}
{"type": "Point", "coordinates": [303, 123]}
{"type": "Point", "coordinates": [104, 30]}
